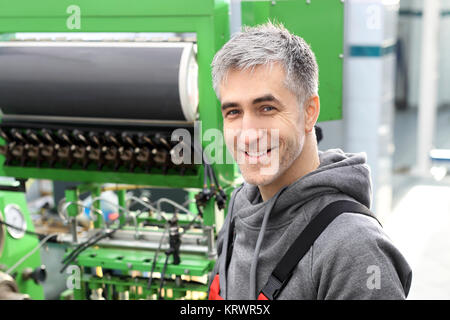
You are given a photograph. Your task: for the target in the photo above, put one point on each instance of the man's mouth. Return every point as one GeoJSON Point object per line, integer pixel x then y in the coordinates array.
{"type": "Point", "coordinates": [258, 155]}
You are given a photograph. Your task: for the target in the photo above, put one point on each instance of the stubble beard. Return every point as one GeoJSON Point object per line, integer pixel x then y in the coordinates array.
{"type": "Point", "coordinates": [262, 176]}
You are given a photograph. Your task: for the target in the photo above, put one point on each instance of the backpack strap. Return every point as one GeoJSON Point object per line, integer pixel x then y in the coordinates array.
{"type": "Point", "coordinates": [284, 269]}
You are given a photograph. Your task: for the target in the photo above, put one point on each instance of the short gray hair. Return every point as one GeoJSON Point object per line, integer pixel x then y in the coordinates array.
{"type": "Point", "coordinates": [264, 45]}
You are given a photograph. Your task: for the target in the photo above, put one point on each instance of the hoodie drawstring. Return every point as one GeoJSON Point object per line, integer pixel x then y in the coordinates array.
{"type": "Point", "coordinates": [224, 255]}
{"type": "Point", "coordinates": [252, 293]}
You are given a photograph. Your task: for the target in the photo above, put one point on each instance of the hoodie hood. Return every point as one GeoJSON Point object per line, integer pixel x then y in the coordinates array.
{"type": "Point", "coordinates": [338, 173]}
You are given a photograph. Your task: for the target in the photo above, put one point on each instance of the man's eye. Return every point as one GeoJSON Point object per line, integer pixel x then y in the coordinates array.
{"type": "Point", "coordinates": [232, 112]}
{"type": "Point", "coordinates": [268, 108]}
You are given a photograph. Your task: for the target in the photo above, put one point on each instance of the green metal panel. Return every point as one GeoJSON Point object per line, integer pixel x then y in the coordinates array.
{"type": "Point", "coordinates": [79, 175]}
{"type": "Point", "coordinates": [58, 8]}
{"type": "Point", "coordinates": [121, 196]}
{"type": "Point", "coordinates": [127, 260]}
{"type": "Point", "coordinates": [140, 260]}
{"type": "Point", "coordinates": [321, 24]}
{"type": "Point", "coordinates": [15, 249]}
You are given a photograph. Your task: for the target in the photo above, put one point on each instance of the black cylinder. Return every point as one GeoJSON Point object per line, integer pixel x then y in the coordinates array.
{"type": "Point", "coordinates": [112, 81]}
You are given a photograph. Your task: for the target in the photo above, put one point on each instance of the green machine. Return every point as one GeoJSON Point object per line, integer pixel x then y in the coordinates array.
{"type": "Point", "coordinates": [73, 127]}
{"type": "Point", "coordinates": [19, 278]}
{"type": "Point", "coordinates": [112, 95]}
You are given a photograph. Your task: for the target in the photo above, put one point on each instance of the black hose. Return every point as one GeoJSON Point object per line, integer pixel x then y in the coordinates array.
{"type": "Point", "coordinates": [92, 241]}
{"type": "Point", "coordinates": [80, 245]}
{"type": "Point", "coordinates": [155, 258]}
{"type": "Point", "coordinates": [163, 273]}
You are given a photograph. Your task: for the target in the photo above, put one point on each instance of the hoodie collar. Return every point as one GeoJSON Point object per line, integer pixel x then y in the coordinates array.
{"type": "Point", "coordinates": [338, 172]}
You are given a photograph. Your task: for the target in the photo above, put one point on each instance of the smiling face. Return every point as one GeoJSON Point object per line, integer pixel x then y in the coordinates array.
{"type": "Point", "coordinates": [264, 124]}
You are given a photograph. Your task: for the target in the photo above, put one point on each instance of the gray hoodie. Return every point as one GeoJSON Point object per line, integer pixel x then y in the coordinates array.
{"type": "Point", "coordinates": [352, 259]}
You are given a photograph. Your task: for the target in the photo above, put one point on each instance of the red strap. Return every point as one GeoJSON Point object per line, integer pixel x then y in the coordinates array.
{"type": "Point", "coordinates": [262, 297]}
{"type": "Point", "coordinates": [214, 290]}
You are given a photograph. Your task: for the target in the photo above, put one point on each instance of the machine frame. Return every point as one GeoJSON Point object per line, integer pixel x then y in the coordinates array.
{"type": "Point", "coordinates": [208, 19]}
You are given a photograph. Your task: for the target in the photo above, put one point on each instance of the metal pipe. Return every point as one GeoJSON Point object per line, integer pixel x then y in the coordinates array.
{"type": "Point", "coordinates": [173, 203]}
{"type": "Point", "coordinates": [150, 241]}
{"type": "Point", "coordinates": [428, 85]}
{"type": "Point", "coordinates": [120, 208]}
{"type": "Point", "coordinates": [209, 234]}
{"type": "Point", "coordinates": [79, 203]}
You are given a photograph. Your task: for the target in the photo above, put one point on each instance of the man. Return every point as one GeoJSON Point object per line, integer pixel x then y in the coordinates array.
{"type": "Point", "coordinates": [267, 82]}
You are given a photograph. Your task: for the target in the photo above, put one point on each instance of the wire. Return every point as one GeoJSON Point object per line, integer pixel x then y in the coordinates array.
{"type": "Point", "coordinates": [221, 195]}
{"type": "Point", "coordinates": [205, 176]}
{"type": "Point", "coordinates": [80, 245]}
{"type": "Point", "coordinates": [144, 203]}
{"type": "Point", "coordinates": [90, 242]}
{"type": "Point", "coordinates": [214, 177]}
{"type": "Point", "coordinates": [191, 223]}
{"type": "Point", "coordinates": [80, 248]}
{"type": "Point", "coordinates": [155, 257]}
{"type": "Point", "coordinates": [25, 257]}
{"type": "Point", "coordinates": [66, 264]}
{"type": "Point", "coordinates": [209, 171]}
{"type": "Point", "coordinates": [41, 235]}
{"type": "Point", "coordinates": [163, 273]}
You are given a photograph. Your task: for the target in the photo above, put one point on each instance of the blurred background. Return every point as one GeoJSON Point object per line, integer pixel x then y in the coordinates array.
{"type": "Point", "coordinates": [384, 88]}
{"type": "Point", "coordinates": [397, 110]}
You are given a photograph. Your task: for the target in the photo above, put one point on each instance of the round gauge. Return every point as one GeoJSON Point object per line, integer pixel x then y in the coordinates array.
{"type": "Point", "coordinates": [15, 217]}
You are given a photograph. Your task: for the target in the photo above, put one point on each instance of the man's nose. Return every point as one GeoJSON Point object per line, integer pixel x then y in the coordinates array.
{"type": "Point", "coordinates": [250, 122]}
{"type": "Point", "coordinates": [251, 130]}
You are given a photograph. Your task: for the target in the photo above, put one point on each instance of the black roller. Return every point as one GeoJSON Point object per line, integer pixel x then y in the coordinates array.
{"type": "Point", "coordinates": [92, 80]}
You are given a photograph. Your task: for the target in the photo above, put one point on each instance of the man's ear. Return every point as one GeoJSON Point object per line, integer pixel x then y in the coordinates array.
{"type": "Point", "coordinates": [312, 110]}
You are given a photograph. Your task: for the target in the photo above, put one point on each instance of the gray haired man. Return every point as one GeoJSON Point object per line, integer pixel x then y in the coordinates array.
{"type": "Point", "coordinates": [267, 82]}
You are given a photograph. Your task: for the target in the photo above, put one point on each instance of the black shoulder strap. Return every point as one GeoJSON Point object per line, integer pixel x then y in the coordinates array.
{"type": "Point", "coordinates": [283, 271]}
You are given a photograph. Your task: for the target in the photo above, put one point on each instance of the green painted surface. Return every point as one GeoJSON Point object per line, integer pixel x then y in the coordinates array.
{"type": "Point", "coordinates": [321, 24]}
{"type": "Point", "coordinates": [127, 260]}
{"type": "Point", "coordinates": [99, 8]}
{"type": "Point", "coordinates": [79, 175]}
{"type": "Point", "coordinates": [141, 260]}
